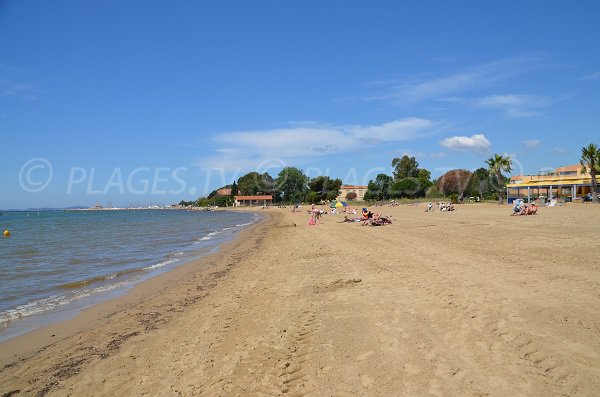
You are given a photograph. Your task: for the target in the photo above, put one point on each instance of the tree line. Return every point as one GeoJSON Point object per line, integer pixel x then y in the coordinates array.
{"type": "Point", "coordinates": [408, 180]}
{"type": "Point", "coordinates": [291, 185]}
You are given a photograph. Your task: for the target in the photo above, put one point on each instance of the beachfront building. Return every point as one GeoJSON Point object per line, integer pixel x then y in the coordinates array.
{"type": "Point", "coordinates": [568, 183]}
{"type": "Point", "coordinates": [359, 190]}
{"type": "Point", "coordinates": [242, 201]}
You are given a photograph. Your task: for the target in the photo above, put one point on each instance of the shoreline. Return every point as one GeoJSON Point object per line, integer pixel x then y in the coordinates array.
{"type": "Point", "coordinates": [437, 303]}
{"type": "Point", "coordinates": [24, 346]}
{"type": "Point", "coordinates": [66, 300]}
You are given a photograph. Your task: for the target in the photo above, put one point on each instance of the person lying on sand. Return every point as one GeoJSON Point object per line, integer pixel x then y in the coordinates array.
{"type": "Point", "coordinates": [350, 220]}
{"type": "Point", "coordinates": [378, 221]}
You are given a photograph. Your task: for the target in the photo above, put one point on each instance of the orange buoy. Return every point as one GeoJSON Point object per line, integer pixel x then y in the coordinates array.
{"type": "Point", "coordinates": [6, 233]}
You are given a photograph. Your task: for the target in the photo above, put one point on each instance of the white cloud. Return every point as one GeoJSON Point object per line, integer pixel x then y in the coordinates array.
{"type": "Point", "coordinates": [418, 89]}
{"type": "Point", "coordinates": [532, 143]}
{"type": "Point", "coordinates": [514, 105]}
{"type": "Point", "coordinates": [420, 155]}
{"type": "Point", "coordinates": [249, 149]}
{"type": "Point", "coordinates": [475, 143]}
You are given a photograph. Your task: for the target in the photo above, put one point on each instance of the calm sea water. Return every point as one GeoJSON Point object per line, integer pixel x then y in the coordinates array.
{"type": "Point", "coordinates": [61, 261]}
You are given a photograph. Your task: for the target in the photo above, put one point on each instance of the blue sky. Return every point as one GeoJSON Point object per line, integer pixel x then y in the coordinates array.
{"type": "Point", "coordinates": [144, 102]}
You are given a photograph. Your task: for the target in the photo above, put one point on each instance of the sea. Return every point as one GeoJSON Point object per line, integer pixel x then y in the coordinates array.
{"type": "Point", "coordinates": [57, 263]}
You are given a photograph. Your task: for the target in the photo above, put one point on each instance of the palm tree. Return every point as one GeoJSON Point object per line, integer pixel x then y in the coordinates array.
{"type": "Point", "coordinates": [590, 160]}
{"type": "Point", "coordinates": [497, 164]}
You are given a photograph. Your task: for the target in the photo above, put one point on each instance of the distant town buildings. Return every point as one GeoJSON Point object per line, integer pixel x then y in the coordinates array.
{"type": "Point", "coordinates": [358, 189]}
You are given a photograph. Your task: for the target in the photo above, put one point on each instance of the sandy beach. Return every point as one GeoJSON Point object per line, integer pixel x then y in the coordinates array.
{"type": "Point", "coordinates": [468, 303]}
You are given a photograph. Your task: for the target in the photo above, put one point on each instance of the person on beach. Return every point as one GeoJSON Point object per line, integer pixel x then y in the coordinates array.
{"type": "Point", "coordinates": [315, 214]}
{"type": "Point", "coordinates": [532, 209]}
{"type": "Point", "coordinates": [518, 206]}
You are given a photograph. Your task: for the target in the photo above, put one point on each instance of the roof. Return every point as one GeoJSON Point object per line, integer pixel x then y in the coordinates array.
{"type": "Point", "coordinates": [354, 187]}
{"type": "Point", "coordinates": [238, 198]}
{"type": "Point", "coordinates": [582, 180]}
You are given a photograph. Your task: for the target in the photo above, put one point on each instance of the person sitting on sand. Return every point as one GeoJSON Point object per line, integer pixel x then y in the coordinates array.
{"type": "Point", "coordinates": [518, 205]}
{"type": "Point", "coordinates": [531, 210]}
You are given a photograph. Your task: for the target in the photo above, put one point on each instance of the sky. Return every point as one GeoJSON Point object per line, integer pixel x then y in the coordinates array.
{"type": "Point", "coordinates": [150, 102]}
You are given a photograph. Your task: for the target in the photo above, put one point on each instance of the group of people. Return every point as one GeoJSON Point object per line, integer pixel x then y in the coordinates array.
{"type": "Point", "coordinates": [443, 207]}
{"type": "Point", "coordinates": [369, 218]}
{"type": "Point", "coordinates": [521, 208]}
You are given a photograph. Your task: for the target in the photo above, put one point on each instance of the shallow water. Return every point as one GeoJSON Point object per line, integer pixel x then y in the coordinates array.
{"type": "Point", "coordinates": [57, 260]}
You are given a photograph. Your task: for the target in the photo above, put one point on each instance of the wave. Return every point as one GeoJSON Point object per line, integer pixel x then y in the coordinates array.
{"type": "Point", "coordinates": [97, 279]}
{"type": "Point", "coordinates": [50, 303]}
{"type": "Point", "coordinates": [161, 264]}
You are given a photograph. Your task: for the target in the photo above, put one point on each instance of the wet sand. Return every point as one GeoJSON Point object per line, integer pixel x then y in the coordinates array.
{"type": "Point", "coordinates": [470, 303]}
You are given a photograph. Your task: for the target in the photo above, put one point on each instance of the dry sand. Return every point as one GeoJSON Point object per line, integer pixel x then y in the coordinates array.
{"type": "Point", "coordinates": [469, 303]}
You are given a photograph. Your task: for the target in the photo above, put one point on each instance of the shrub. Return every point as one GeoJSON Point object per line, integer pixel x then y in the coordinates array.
{"type": "Point", "coordinates": [454, 198]}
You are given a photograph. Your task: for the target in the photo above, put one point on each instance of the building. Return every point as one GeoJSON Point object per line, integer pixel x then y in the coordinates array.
{"type": "Point", "coordinates": [359, 190]}
{"type": "Point", "coordinates": [563, 182]}
{"type": "Point", "coordinates": [242, 201]}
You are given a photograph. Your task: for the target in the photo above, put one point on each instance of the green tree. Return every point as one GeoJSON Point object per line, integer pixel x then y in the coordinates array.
{"type": "Point", "coordinates": [406, 187]}
{"type": "Point", "coordinates": [379, 189]}
{"type": "Point", "coordinates": [325, 187]}
{"type": "Point", "coordinates": [254, 183]}
{"type": "Point", "coordinates": [202, 202]}
{"type": "Point", "coordinates": [405, 167]}
{"type": "Point", "coordinates": [424, 177]}
{"type": "Point", "coordinates": [496, 165]}
{"type": "Point", "coordinates": [312, 197]}
{"type": "Point", "coordinates": [480, 184]}
{"type": "Point", "coordinates": [292, 182]}
{"type": "Point", "coordinates": [590, 162]}
{"type": "Point", "coordinates": [234, 190]}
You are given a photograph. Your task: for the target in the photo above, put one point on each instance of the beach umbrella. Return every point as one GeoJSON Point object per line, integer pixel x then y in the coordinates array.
{"type": "Point", "coordinates": [338, 204]}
